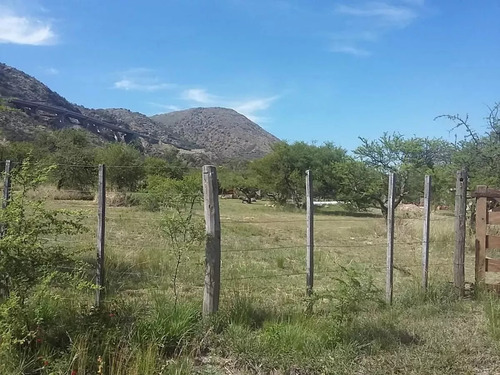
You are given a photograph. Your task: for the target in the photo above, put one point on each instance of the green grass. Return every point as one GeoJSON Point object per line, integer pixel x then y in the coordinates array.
{"type": "Point", "coordinates": [265, 323]}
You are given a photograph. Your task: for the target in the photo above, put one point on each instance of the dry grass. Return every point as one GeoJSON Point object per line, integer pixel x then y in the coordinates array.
{"type": "Point", "coordinates": [264, 259]}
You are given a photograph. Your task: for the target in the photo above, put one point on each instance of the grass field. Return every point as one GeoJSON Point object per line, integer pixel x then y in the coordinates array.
{"type": "Point", "coordinates": [266, 325]}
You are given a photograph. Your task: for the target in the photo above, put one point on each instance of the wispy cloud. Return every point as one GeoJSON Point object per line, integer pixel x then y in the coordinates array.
{"type": "Point", "coordinates": [200, 96]}
{"type": "Point", "coordinates": [349, 50]}
{"type": "Point", "coordinates": [16, 29]}
{"type": "Point", "coordinates": [52, 71]}
{"type": "Point", "coordinates": [250, 107]}
{"type": "Point", "coordinates": [367, 21]}
{"type": "Point", "coordinates": [383, 13]}
{"type": "Point", "coordinates": [141, 79]}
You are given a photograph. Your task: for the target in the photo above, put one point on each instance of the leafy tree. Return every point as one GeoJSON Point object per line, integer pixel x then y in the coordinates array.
{"type": "Point", "coordinates": [479, 152]}
{"type": "Point", "coordinates": [26, 253]}
{"type": "Point", "coordinates": [125, 166]}
{"type": "Point", "coordinates": [154, 166]}
{"type": "Point", "coordinates": [409, 159]}
{"type": "Point", "coordinates": [71, 151]}
{"type": "Point", "coordinates": [282, 172]}
{"type": "Point", "coordinates": [244, 183]}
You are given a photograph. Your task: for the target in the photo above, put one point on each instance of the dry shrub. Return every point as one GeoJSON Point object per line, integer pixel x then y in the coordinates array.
{"type": "Point", "coordinates": [49, 192]}
{"type": "Point", "coordinates": [120, 199]}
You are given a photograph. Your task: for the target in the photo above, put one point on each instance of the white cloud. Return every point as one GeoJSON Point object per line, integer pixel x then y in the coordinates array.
{"type": "Point", "coordinates": [23, 30]}
{"type": "Point", "coordinates": [52, 71]}
{"type": "Point", "coordinates": [250, 108]}
{"type": "Point", "coordinates": [386, 14]}
{"type": "Point", "coordinates": [350, 50]}
{"type": "Point", "coordinates": [200, 96]}
{"type": "Point", "coordinates": [169, 107]}
{"type": "Point", "coordinates": [367, 21]}
{"type": "Point", "coordinates": [140, 79]}
{"type": "Point", "coordinates": [128, 84]}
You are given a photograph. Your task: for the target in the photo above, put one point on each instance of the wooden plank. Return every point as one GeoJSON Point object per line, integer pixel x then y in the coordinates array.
{"type": "Point", "coordinates": [493, 287]}
{"type": "Point", "coordinates": [494, 217]}
{"type": "Point", "coordinates": [101, 231]}
{"type": "Point", "coordinates": [486, 192]}
{"type": "Point", "coordinates": [460, 219]}
{"type": "Point", "coordinates": [389, 281]}
{"type": "Point", "coordinates": [481, 238]}
{"type": "Point", "coordinates": [492, 265]}
{"type": "Point", "coordinates": [310, 234]}
{"type": "Point", "coordinates": [213, 242]}
{"type": "Point", "coordinates": [425, 236]}
{"type": "Point", "coordinates": [492, 242]}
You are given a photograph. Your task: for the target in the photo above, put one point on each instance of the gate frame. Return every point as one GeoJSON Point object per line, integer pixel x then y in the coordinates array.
{"type": "Point", "coordinates": [485, 241]}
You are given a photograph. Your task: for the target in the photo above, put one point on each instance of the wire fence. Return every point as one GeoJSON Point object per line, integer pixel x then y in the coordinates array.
{"type": "Point", "coordinates": [261, 251]}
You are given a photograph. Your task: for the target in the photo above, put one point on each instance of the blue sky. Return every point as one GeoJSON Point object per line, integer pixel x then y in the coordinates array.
{"type": "Point", "coordinates": [302, 69]}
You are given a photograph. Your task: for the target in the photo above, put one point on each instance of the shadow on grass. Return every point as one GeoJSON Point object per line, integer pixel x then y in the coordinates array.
{"type": "Point", "coordinates": [323, 212]}
{"type": "Point", "coordinates": [382, 336]}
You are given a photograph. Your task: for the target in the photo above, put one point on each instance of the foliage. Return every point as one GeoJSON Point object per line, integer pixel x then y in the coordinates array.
{"type": "Point", "coordinates": [181, 227]}
{"type": "Point", "coordinates": [409, 159]}
{"type": "Point", "coordinates": [125, 166]}
{"type": "Point", "coordinates": [159, 167]}
{"type": "Point", "coordinates": [282, 173]}
{"type": "Point", "coordinates": [71, 151]}
{"type": "Point", "coordinates": [244, 183]}
{"type": "Point", "coordinates": [27, 255]}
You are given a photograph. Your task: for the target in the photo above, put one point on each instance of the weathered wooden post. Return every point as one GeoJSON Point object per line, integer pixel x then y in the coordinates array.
{"type": "Point", "coordinates": [425, 237]}
{"type": "Point", "coordinates": [101, 231]}
{"type": "Point", "coordinates": [390, 239]}
{"type": "Point", "coordinates": [310, 234]}
{"type": "Point", "coordinates": [460, 218]}
{"type": "Point", "coordinates": [481, 233]}
{"type": "Point", "coordinates": [213, 241]}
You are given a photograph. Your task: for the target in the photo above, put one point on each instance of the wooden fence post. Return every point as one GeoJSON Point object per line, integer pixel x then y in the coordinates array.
{"type": "Point", "coordinates": [460, 218]}
{"type": "Point", "coordinates": [390, 239]}
{"type": "Point", "coordinates": [481, 236]}
{"type": "Point", "coordinates": [425, 237]}
{"type": "Point", "coordinates": [213, 242]}
{"type": "Point", "coordinates": [310, 233]}
{"type": "Point", "coordinates": [6, 194]}
{"type": "Point", "coordinates": [101, 231]}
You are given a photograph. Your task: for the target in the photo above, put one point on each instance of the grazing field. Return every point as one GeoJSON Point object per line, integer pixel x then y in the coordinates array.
{"type": "Point", "coordinates": [266, 324]}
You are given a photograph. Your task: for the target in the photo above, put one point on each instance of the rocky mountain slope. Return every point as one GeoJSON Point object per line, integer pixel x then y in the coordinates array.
{"type": "Point", "coordinates": [203, 134]}
{"type": "Point", "coordinates": [222, 131]}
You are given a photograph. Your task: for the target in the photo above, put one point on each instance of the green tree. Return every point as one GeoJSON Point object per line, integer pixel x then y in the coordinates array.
{"type": "Point", "coordinates": [282, 172]}
{"type": "Point", "coordinates": [245, 183]}
{"type": "Point", "coordinates": [72, 153]}
{"type": "Point", "coordinates": [154, 166]}
{"type": "Point", "coordinates": [125, 166]}
{"type": "Point", "coordinates": [409, 159]}
{"type": "Point", "coordinates": [27, 255]}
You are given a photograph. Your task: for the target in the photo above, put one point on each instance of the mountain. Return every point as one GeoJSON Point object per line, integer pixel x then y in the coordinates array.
{"type": "Point", "coordinates": [17, 84]}
{"type": "Point", "coordinates": [225, 132]}
{"type": "Point", "coordinates": [201, 135]}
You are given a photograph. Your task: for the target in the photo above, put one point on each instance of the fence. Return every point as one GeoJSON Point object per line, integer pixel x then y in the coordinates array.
{"type": "Point", "coordinates": [132, 254]}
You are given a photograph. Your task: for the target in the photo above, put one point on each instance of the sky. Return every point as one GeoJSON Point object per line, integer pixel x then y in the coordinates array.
{"type": "Point", "coordinates": [305, 70]}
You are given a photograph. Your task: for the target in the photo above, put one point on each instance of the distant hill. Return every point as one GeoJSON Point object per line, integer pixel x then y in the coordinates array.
{"type": "Point", "coordinates": [225, 132]}
{"type": "Point", "coordinates": [201, 134]}
{"type": "Point", "coordinates": [17, 84]}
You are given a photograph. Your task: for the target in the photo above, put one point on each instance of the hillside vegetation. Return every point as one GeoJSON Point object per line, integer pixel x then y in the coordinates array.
{"type": "Point", "coordinates": [202, 134]}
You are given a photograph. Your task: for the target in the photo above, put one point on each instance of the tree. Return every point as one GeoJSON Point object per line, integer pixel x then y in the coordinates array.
{"type": "Point", "coordinates": [154, 166]}
{"type": "Point", "coordinates": [244, 183]}
{"type": "Point", "coordinates": [409, 159]}
{"type": "Point", "coordinates": [125, 166]}
{"type": "Point", "coordinates": [71, 152]}
{"type": "Point", "coordinates": [282, 172]}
